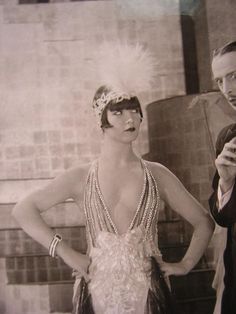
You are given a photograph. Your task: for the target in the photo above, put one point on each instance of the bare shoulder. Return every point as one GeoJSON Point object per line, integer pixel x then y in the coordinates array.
{"type": "Point", "coordinates": [164, 177]}
{"type": "Point", "coordinates": [69, 184]}
{"type": "Point", "coordinates": [159, 171]}
{"type": "Point", "coordinates": [80, 171]}
{"type": "Point", "coordinates": [75, 176]}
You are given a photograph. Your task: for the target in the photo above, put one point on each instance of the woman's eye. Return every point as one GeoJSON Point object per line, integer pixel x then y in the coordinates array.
{"type": "Point", "coordinates": [135, 110]}
{"type": "Point", "coordinates": [117, 112]}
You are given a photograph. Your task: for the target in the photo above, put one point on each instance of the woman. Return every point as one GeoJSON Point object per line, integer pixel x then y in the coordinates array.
{"type": "Point", "coordinates": [123, 271]}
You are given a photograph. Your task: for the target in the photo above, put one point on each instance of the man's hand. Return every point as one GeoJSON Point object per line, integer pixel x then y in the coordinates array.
{"type": "Point", "coordinates": [226, 165]}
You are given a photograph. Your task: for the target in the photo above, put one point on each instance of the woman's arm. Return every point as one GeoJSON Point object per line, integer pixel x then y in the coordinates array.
{"type": "Point", "coordinates": [180, 200]}
{"type": "Point", "coordinates": [28, 214]}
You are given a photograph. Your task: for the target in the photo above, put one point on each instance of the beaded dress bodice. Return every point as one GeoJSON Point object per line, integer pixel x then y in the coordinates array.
{"type": "Point", "coordinates": [120, 264]}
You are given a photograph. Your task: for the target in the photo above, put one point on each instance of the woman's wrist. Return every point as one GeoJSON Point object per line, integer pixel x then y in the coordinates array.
{"type": "Point", "coordinates": [69, 255]}
{"type": "Point", "coordinates": [188, 263]}
{"type": "Point", "coordinates": [53, 245]}
{"type": "Point", "coordinates": [63, 250]}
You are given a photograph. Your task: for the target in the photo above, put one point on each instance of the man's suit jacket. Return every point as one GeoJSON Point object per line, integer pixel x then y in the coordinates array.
{"type": "Point", "coordinates": [226, 217]}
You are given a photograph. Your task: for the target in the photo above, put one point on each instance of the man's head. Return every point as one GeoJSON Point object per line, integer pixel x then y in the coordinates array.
{"type": "Point", "coordinates": [224, 71]}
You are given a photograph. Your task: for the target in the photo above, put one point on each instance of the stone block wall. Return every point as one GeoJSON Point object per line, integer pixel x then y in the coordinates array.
{"type": "Point", "coordinates": [47, 79]}
{"type": "Point", "coordinates": [47, 82]}
{"type": "Point", "coordinates": [31, 263]}
{"type": "Point", "coordinates": [26, 261]}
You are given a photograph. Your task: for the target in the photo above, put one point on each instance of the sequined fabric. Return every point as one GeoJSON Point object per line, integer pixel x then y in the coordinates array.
{"type": "Point", "coordinates": [120, 269]}
{"type": "Point", "coordinates": [119, 273]}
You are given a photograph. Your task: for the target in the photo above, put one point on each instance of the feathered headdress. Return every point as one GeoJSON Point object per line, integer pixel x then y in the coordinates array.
{"type": "Point", "coordinates": [126, 70]}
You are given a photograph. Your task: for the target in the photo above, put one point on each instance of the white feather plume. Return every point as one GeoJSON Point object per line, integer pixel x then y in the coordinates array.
{"type": "Point", "coordinates": [126, 68]}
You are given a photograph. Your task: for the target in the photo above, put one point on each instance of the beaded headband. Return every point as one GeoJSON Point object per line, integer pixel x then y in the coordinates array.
{"type": "Point", "coordinates": [126, 70]}
{"type": "Point", "coordinates": [100, 103]}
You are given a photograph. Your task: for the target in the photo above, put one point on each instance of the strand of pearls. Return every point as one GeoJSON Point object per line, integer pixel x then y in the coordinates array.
{"type": "Point", "coordinates": [97, 214]}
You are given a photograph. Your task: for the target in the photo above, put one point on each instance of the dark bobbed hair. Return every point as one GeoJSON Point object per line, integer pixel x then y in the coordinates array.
{"type": "Point", "coordinates": [132, 103]}
{"type": "Point", "coordinates": [101, 90]}
{"type": "Point", "coordinates": [229, 47]}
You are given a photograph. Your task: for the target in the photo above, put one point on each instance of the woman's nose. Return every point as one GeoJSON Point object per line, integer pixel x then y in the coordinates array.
{"type": "Point", "coordinates": [128, 116]}
{"type": "Point", "coordinates": [130, 120]}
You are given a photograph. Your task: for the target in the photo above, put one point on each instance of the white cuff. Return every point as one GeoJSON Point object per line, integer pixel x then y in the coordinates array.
{"type": "Point", "coordinates": [223, 198]}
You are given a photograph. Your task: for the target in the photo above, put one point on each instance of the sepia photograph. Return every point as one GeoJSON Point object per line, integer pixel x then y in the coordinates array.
{"type": "Point", "coordinates": [117, 157]}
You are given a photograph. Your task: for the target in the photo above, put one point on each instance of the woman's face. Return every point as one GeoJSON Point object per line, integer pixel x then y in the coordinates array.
{"type": "Point", "coordinates": [125, 124]}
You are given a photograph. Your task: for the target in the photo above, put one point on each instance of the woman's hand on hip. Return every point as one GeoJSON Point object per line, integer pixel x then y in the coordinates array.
{"type": "Point", "coordinates": [176, 269]}
{"type": "Point", "coordinates": [77, 261]}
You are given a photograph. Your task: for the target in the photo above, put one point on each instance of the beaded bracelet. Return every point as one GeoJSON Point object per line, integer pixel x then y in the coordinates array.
{"type": "Point", "coordinates": [52, 247]}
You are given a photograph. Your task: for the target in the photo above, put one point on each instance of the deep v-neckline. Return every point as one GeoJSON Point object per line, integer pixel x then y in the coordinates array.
{"type": "Point", "coordinates": [106, 208]}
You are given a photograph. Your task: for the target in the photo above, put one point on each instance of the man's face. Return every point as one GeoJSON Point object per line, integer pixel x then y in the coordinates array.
{"type": "Point", "coordinates": [224, 73]}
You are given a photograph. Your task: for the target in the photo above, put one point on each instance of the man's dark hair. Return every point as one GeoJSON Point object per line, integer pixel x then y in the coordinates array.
{"type": "Point", "coordinates": [229, 47]}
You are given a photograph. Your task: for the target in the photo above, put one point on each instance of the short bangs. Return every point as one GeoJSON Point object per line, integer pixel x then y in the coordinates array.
{"type": "Point", "coordinates": [125, 104]}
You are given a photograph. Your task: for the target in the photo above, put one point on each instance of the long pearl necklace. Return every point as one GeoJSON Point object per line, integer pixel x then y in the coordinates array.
{"type": "Point", "coordinates": [97, 213]}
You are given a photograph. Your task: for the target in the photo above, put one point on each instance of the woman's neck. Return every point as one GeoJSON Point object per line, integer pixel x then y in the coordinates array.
{"type": "Point", "coordinates": [118, 154]}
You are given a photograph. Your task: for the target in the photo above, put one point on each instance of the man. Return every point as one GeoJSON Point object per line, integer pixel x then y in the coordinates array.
{"type": "Point", "coordinates": [223, 200]}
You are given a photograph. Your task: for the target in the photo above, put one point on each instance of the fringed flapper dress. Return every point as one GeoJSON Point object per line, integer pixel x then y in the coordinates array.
{"type": "Point", "coordinates": [125, 277]}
